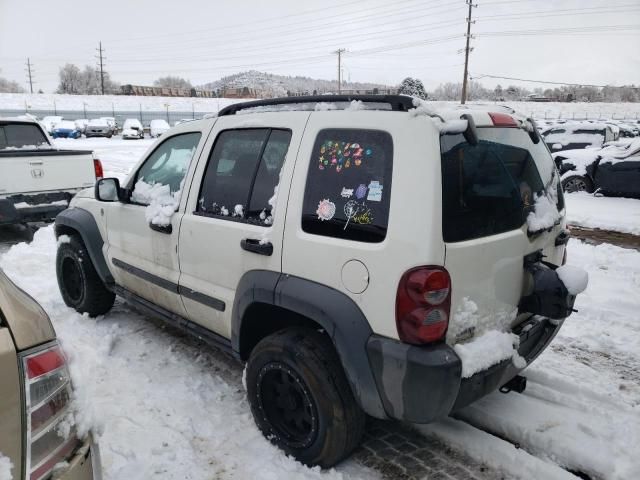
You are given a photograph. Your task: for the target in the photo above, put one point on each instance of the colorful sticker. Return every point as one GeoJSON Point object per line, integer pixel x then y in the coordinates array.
{"type": "Point", "coordinates": [326, 209]}
{"type": "Point", "coordinates": [361, 191]}
{"type": "Point", "coordinates": [363, 217]}
{"type": "Point", "coordinates": [346, 192]}
{"type": "Point", "coordinates": [341, 155]}
{"type": "Point", "coordinates": [375, 191]}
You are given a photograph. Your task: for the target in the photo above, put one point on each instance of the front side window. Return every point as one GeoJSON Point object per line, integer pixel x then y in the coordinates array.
{"type": "Point", "coordinates": [243, 173]}
{"type": "Point", "coordinates": [166, 167]}
{"type": "Point", "coordinates": [348, 188]}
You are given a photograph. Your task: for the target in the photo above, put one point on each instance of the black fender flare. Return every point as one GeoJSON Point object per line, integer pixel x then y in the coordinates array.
{"type": "Point", "coordinates": [82, 221]}
{"type": "Point", "coordinates": [334, 311]}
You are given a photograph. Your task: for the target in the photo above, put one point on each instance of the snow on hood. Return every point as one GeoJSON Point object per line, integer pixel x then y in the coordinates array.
{"type": "Point", "coordinates": [130, 132]}
{"type": "Point", "coordinates": [65, 125]}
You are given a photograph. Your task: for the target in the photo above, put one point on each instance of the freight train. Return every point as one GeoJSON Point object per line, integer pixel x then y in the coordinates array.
{"type": "Point", "coordinates": [166, 91]}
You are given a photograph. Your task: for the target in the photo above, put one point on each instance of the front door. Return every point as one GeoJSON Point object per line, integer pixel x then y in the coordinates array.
{"type": "Point", "coordinates": [234, 219]}
{"type": "Point", "coordinates": [143, 232]}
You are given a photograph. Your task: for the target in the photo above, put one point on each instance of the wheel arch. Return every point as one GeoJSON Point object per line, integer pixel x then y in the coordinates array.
{"type": "Point", "coordinates": [78, 221]}
{"type": "Point", "coordinates": [301, 302]}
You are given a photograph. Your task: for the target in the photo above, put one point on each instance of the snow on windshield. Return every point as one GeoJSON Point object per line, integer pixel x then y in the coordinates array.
{"type": "Point", "coordinates": [66, 125]}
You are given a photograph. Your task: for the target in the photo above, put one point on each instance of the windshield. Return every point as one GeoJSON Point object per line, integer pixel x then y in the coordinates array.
{"type": "Point", "coordinates": [98, 122]}
{"type": "Point", "coordinates": [491, 187]}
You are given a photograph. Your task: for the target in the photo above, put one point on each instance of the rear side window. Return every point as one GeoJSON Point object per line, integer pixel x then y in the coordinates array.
{"type": "Point", "coordinates": [349, 185]}
{"type": "Point", "coordinates": [488, 188]}
{"type": "Point", "coordinates": [21, 135]}
{"type": "Point", "coordinates": [242, 174]}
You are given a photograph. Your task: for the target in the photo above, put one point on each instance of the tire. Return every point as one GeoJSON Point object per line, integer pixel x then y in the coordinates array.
{"type": "Point", "coordinates": [300, 397]}
{"type": "Point", "coordinates": [577, 183]}
{"type": "Point", "coordinates": [79, 283]}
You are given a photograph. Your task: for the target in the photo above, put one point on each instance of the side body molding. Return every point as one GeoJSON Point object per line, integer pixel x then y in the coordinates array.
{"type": "Point", "coordinates": [82, 221]}
{"type": "Point", "coordinates": [334, 311]}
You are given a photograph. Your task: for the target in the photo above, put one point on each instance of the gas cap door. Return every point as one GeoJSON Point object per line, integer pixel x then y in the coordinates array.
{"type": "Point", "coordinates": [355, 276]}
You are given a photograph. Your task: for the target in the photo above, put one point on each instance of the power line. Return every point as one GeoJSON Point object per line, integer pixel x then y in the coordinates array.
{"type": "Point", "coordinates": [568, 84]}
{"type": "Point", "coordinates": [339, 52]}
{"type": "Point", "coordinates": [466, 53]}
{"type": "Point", "coordinates": [29, 74]}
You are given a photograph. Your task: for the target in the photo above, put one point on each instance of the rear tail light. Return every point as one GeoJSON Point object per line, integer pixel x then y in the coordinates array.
{"type": "Point", "coordinates": [97, 167]}
{"type": "Point", "coordinates": [423, 304]}
{"type": "Point", "coordinates": [47, 388]}
{"type": "Point", "coordinates": [503, 120]}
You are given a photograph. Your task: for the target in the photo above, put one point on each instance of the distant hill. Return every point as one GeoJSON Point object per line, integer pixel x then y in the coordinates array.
{"type": "Point", "coordinates": [278, 85]}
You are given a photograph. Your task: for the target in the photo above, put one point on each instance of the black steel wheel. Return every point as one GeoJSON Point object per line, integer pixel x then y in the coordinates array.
{"type": "Point", "coordinates": [577, 183]}
{"type": "Point", "coordinates": [300, 397]}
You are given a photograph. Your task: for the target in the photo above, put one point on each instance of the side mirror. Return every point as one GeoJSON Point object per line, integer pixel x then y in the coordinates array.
{"type": "Point", "coordinates": [107, 190]}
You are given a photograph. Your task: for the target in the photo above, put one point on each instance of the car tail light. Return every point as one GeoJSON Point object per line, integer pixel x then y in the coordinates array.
{"type": "Point", "coordinates": [423, 303]}
{"type": "Point", "coordinates": [97, 166]}
{"type": "Point", "coordinates": [47, 388]}
{"type": "Point", "coordinates": [503, 120]}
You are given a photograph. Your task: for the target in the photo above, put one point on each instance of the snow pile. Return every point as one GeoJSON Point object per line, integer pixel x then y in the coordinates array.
{"type": "Point", "coordinates": [605, 213]}
{"type": "Point", "coordinates": [545, 213]}
{"type": "Point", "coordinates": [451, 126]}
{"type": "Point", "coordinates": [324, 106]}
{"type": "Point", "coordinates": [422, 109]}
{"type": "Point", "coordinates": [486, 350]}
{"type": "Point", "coordinates": [5, 468]}
{"type": "Point", "coordinates": [161, 203]}
{"type": "Point", "coordinates": [574, 278]}
{"type": "Point", "coordinates": [356, 105]}
{"type": "Point", "coordinates": [238, 211]}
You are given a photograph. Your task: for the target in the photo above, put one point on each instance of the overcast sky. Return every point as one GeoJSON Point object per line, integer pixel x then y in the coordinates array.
{"type": "Point", "coordinates": [203, 40]}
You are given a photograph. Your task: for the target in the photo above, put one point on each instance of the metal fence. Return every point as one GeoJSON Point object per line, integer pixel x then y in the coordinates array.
{"type": "Point", "coordinates": [145, 116]}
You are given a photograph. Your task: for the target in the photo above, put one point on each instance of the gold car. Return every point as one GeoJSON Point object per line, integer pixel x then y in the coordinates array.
{"type": "Point", "coordinates": [35, 396]}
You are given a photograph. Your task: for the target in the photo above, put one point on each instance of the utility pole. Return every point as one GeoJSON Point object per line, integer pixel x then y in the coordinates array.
{"type": "Point", "coordinates": [101, 66]}
{"type": "Point", "coordinates": [340, 51]}
{"type": "Point", "coordinates": [466, 53]}
{"type": "Point", "coordinates": [29, 73]}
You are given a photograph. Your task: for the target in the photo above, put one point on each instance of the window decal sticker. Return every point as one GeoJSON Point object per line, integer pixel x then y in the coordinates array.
{"type": "Point", "coordinates": [346, 192]}
{"type": "Point", "coordinates": [341, 155]}
{"type": "Point", "coordinates": [326, 209]}
{"type": "Point", "coordinates": [361, 191]}
{"type": "Point", "coordinates": [375, 191]}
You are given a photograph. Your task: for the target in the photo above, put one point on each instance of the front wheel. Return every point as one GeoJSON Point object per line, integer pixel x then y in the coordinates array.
{"type": "Point", "coordinates": [300, 397]}
{"type": "Point", "coordinates": [577, 183]}
{"type": "Point", "coordinates": [79, 283]}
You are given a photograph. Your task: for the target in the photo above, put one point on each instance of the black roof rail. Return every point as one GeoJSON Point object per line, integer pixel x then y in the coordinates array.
{"type": "Point", "coordinates": [398, 103]}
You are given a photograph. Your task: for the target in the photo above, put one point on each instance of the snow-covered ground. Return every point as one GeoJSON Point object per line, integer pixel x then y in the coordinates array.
{"type": "Point", "coordinates": [606, 213]}
{"type": "Point", "coordinates": [168, 408]}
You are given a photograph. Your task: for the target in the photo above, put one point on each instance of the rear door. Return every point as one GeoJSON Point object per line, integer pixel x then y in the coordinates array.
{"type": "Point", "coordinates": [489, 191]}
{"type": "Point", "coordinates": [619, 177]}
{"type": "Point", "coordinates": [234, 220]}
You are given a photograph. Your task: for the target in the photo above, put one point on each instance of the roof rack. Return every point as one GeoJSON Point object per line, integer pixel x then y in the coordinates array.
{"type": "Point", "coordinates": [398, 103]}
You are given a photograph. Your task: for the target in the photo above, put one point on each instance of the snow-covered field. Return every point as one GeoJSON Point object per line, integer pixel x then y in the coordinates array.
{"type": "Point", "coordinates": [548, 110]}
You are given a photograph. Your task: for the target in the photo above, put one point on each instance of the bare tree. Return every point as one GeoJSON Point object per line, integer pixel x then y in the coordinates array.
{"type": "Point", "coordinates": [172, 82]}
{"type": "Point", "coordinates": [9, 86]}
{"type": "Point", "coordinates": [70, 80]}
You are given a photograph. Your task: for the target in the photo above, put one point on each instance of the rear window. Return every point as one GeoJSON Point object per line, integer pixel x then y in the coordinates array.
{"type": "Point", "coordinates": [489, 188]}
{"type": "Point", "coordinates": [21, 135]}
{"type": "Point", "coordinates": [349, 185]}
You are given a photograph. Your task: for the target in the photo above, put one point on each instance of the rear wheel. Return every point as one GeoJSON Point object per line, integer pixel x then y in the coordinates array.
{"type": "Point", "coordinates": [577, 183]}
{"type": "Point", "coordinates": [79, 283]}
{"type": "Point", "coordinates": [300, 397]}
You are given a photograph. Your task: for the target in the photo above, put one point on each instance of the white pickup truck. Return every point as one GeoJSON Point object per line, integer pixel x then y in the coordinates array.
{"type": "Point", "coordinates": [37, 180]}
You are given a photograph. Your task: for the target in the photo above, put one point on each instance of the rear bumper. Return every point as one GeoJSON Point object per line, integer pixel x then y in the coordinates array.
{"type": "Point", "coordinates": [84, 465]}
{"type": "Point", "coordinates": [422, 384]}
{"type": "Point", "coordinates": [35, 208]}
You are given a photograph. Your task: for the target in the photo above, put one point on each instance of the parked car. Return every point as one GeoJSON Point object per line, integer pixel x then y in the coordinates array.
{"type": "Point", "coordinates": [50, 122]}
{"type": "Point", "coordinates": [613, 170]}
{"type": "Point", "coordinates": [37, 179]}
{"type": "Point", "coordinates": [81, 124]}
{"type": "Point", "coordinates": [98, 127]}
{"type": "Point", "coordinates": [66, 129]}
{"type": "Point", "coordinates": [132, 128]}
{"type": "Point", "coordinates": [574, 135]}
{"type": "Point", "coordinates": [158, 127]}
{"type": "Point", "coordinates": [352, 275]}
{"type": "Point", "coordinates": [36, 394]}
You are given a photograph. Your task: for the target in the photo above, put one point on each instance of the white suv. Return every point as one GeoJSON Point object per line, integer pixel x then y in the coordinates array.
{"type": "Point", "coordinates": [367, 256]}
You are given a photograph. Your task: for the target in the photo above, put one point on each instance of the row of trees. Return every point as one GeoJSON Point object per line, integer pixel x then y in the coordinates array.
{"type": "Point", "coordinates": [74, 81]}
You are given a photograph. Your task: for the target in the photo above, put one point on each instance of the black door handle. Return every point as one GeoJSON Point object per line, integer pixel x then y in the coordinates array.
{"type": "Point", "coordinates": [256, 246]}
{"type": "Point", "coordinates": [563, 238]}
{"type": "Point", "coordinates": [161, 228]}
